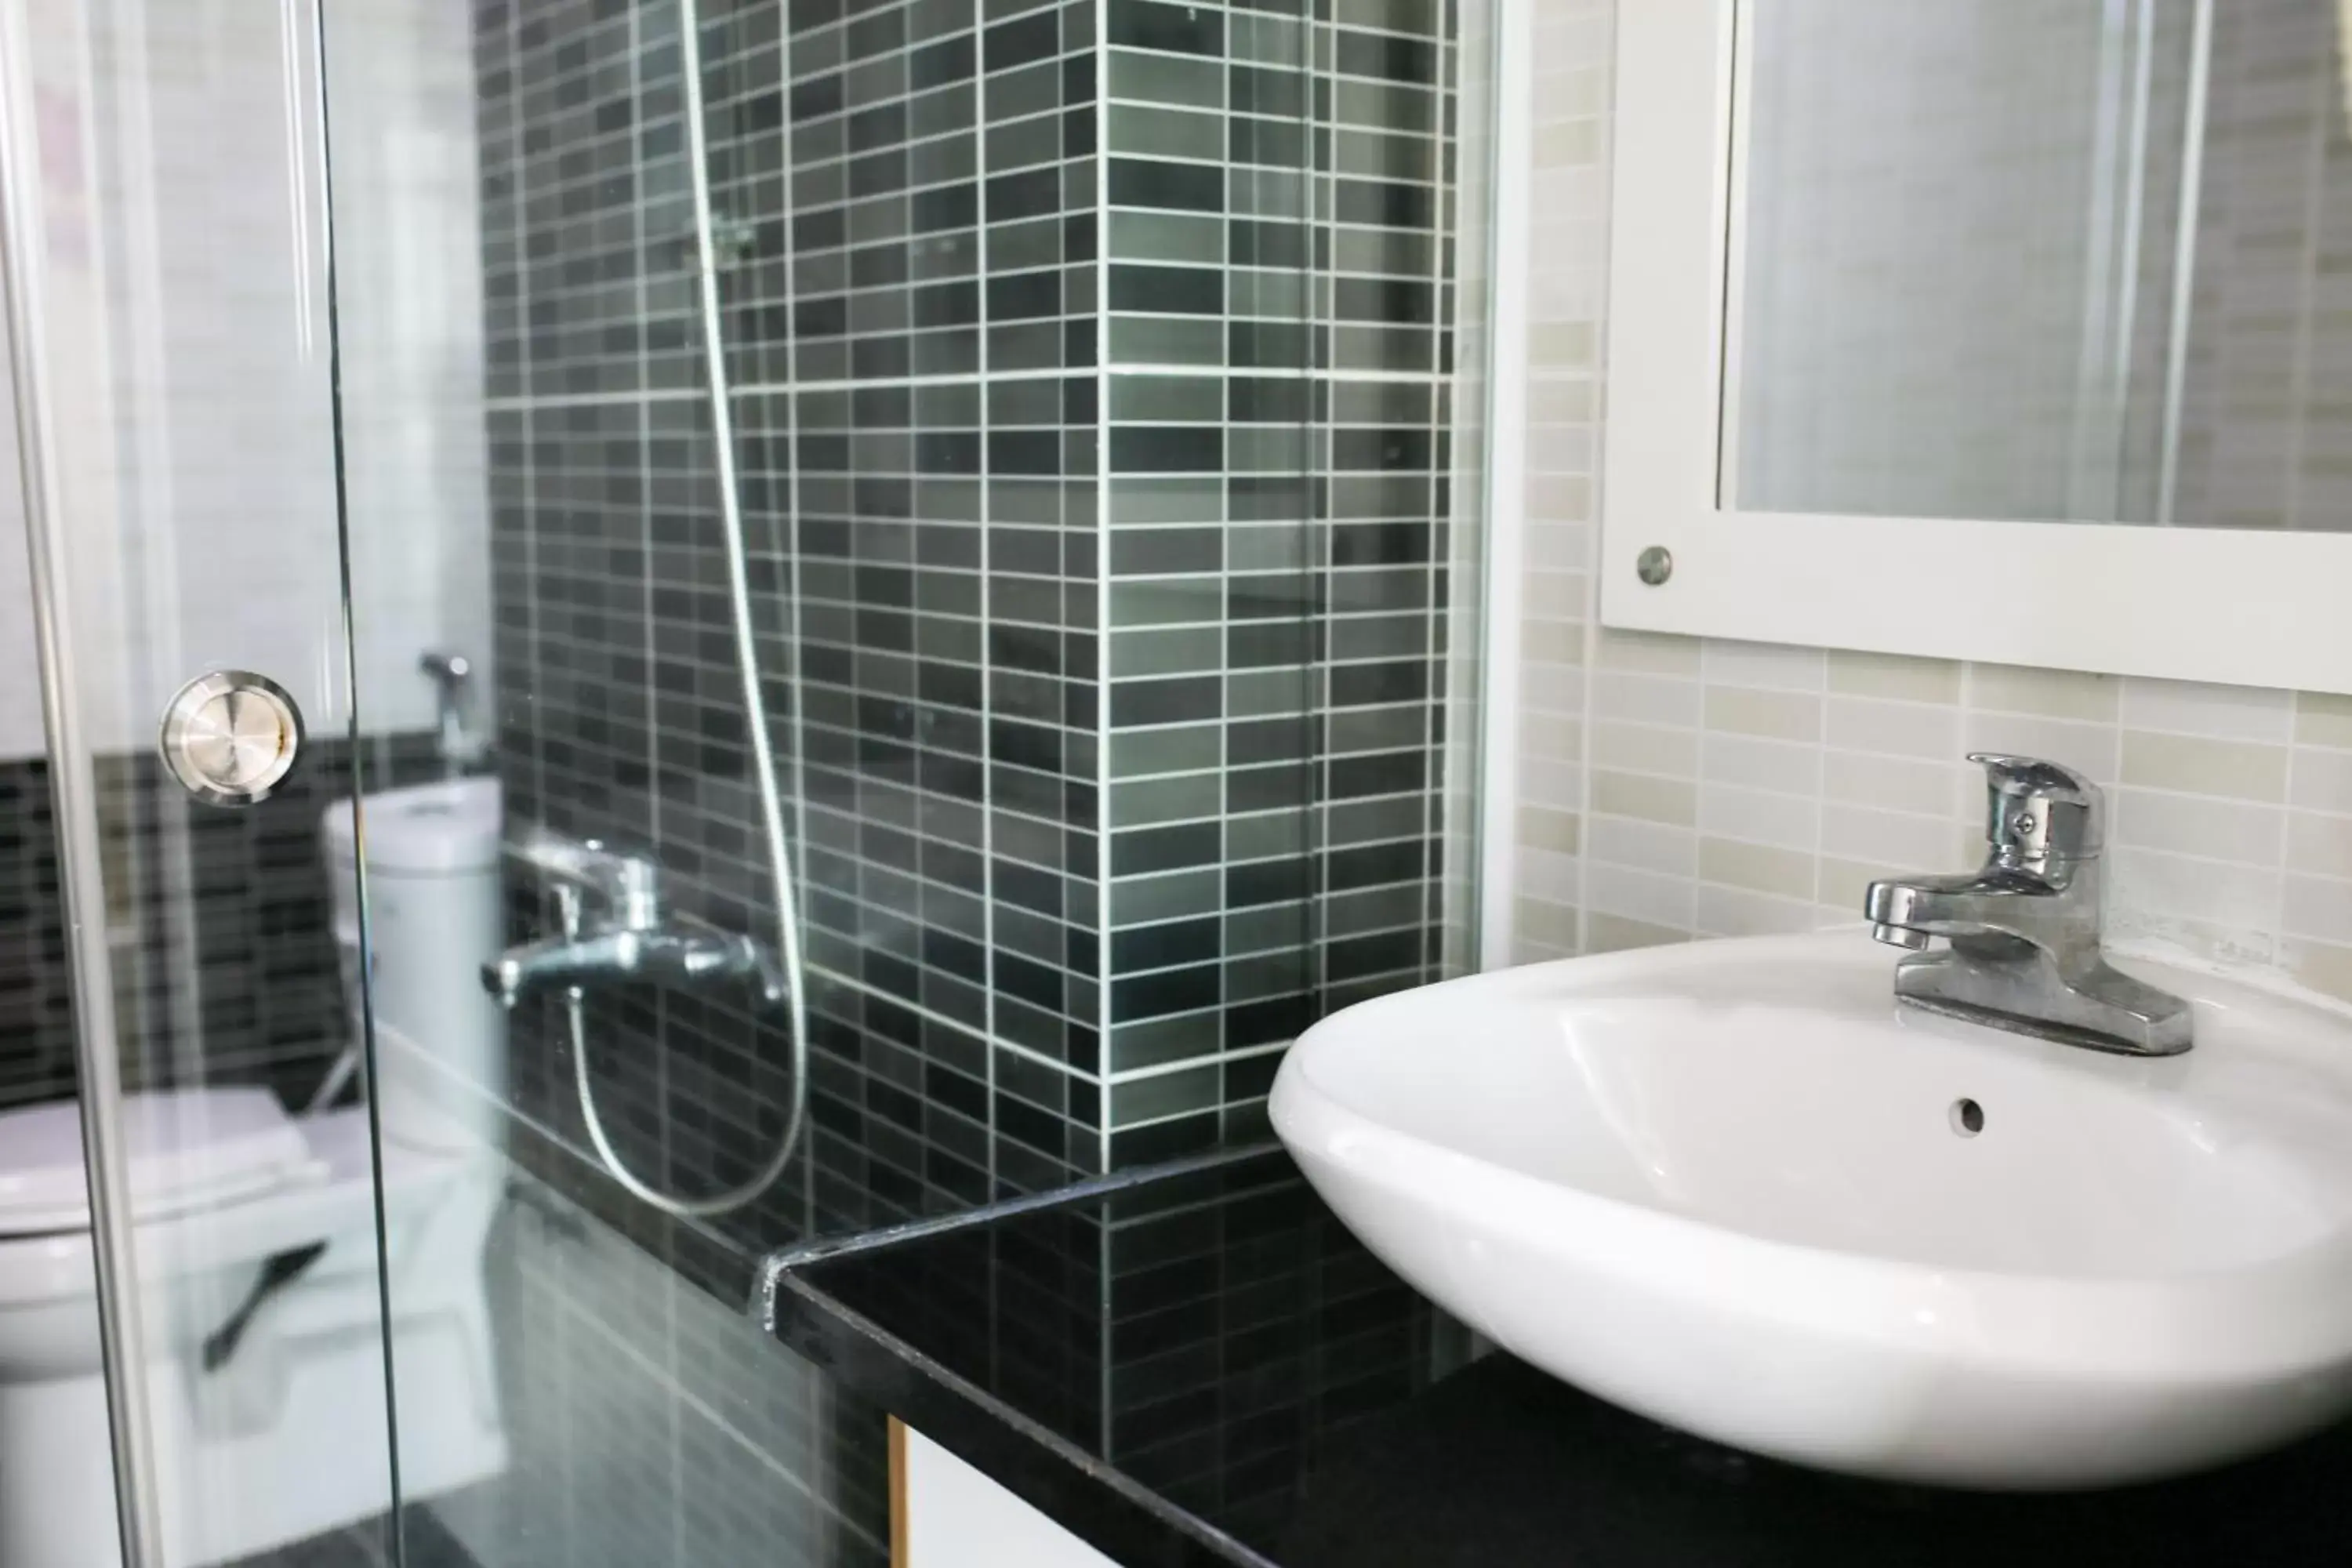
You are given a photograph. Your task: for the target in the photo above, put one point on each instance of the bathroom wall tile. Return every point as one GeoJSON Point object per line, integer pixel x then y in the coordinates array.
{"type": "Point", "coordinates": [2323, 718]}
{"type": "Point", "coordinates": [1567, 197]}
{"type": "Point", "coordinates": [2320, 780]}
{"type": "Point", "coordinates": [2213, 811]}
{"type": "Point", "coordinates": [1645, 749]}
{"type": "Point", "coordinates": [1559, 345]}
{"type": "Point", "coordinates": [1650, 899]}
{"type": "Point", "coordinates": [1727, 910]}
{"type": "Point", "coordinates": [2326, 967]}
{"type": "Point", "coordinates": [1552, 495]}
{"type": "Point", "coordinates": [1774, 715]}
{"type": "Point", "coordinates": [900, 345]}
{"type": "Point", "coordinates": [1543, 931]}
{"type": "Point", "coordinates": [1769, 665]}
{"type": "Point", "coordinates": [1561, 399]}
{"type": "Point", "coordinates": [1671, 800]}
{"type": "Point", "coordinates": [2220, 712]}
{"type": "Point", "coordinates": [1894, 675]}
{"type": "Point", "coordinates": [1550, 588]}
{"type": "Point", "coordinates": [1840, 884]}
{"type": "Point", "coordinates": [1545, 827]}
{"type": "Point", "coordinates": [1898, 729]}
{"type": "Point", "coordinates": [1552, 643]}
{"type": "Point", "coordinates": [1642, 846]}
{"type": "Point", "coordinates": [1645, 699]}
{"type": "Point", "coordinates": [1562, 545]}
{"type": "Point", "coordinates": [1945, 788]}
{"type": "Point", "coordinates": [2052, 693]}
{"type": "Point", "coordinates": [1789, 767]}
{"type": "Point", "coordinates": [2317, 907]}
{"type": "Point", "coordinates": [2240, 771]}
{"type": "Point", "coordinates": [1545, 875]}
{"type": "Point", "coordinates": [2195, 825]}
{"type": "Point", "coordinates": [650, 1422]}
{"type": "Point", "coordinates": [270, 1009]}
{"type": "Point", "coordinates": [2210, 892]}
{"type": "Point", "coordinates": [1558, 783]}
{"type": "Point", "coordinates": [1650, 653]}
{"type": "Point", "coordinates": [1758, 816]}
{"type": "Point", "coordinates": [1553, 736]}
{"type": "Point", "coordinates": [1894, 840]}
{"type": "Point", "coordinates": [2319, 846]}
{"type": "Point", "coordinates": [1756, 867]}
{"type": "Point", "coordinates": [1606, 932]}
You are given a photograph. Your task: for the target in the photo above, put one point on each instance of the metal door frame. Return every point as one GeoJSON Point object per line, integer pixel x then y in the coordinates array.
{"type": "Point", "coordinates": [73, 792]}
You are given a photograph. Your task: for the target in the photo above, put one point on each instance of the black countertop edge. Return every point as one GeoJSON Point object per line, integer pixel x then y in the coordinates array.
{"type": "Point", "coordinates": [1111, 1512]}
{"type": "Point", "coordinates": [777, 1264]}
{"type": "Point", "coordinates": [1125, 1521]}
{"type": "Point", "coordinates": [1342, 1420]}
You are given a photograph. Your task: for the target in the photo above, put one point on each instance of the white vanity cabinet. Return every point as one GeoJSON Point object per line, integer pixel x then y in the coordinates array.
{"type": "Point", "coordinates": [946, 1514]}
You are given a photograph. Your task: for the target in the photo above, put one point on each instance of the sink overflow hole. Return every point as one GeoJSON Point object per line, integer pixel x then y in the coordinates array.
{"type": "Point", "coordinates": [1967, 1118]}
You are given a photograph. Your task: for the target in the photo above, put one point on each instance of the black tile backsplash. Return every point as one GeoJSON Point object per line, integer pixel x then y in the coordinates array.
{"type": "Point", "coordinates": [1213, 1337]}
{"type": "Point", "coordinates": [1090, 367]}
{"type": "Point", "coordinates": [36, 1060]}
{"type": "Point", "coordinates": [250, 992]}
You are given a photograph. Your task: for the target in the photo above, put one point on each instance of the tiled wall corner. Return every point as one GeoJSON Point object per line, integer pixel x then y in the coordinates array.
{"type": "Point", "coordinates": [1569, 212]}
{"type": "Point", "coordinates": [1091, 370]}
{"type": "Point", "coordinates": [1674, 787]}
{"type": "Point", "coordinates": [1277, 513]}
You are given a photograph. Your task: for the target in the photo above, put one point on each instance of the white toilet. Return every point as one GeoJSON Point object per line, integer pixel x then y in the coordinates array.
{"type": "Point", "coordinates": [434, 919]}
{"type": "Point", "coordinates": [284, 1434]}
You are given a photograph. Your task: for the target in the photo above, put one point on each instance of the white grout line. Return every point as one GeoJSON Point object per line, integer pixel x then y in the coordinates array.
{"type": "Point", "coordinates": [987, 805]}
{"type": "Point", "coordinates": [1098, 53]}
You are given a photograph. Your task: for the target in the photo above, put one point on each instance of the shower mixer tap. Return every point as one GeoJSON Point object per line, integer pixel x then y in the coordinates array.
{"type": "Point", "coordinates": [627, 937]}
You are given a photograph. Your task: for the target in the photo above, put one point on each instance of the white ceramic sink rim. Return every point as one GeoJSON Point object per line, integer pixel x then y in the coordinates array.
{"type": "Point", "coordinates": [2261, 1308]}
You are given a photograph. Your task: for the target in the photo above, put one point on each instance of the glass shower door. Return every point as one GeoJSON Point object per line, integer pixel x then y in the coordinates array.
{"type": "Point", "coordinates": [192, 1339]}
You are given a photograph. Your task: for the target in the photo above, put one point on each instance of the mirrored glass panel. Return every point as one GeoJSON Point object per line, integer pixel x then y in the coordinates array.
{"type": "Point", "coordinates": [2033, 259]}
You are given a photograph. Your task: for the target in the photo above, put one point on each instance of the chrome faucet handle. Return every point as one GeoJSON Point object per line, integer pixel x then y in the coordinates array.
{"type": "Point", "coordinates": [2021, 931]}
{"type": "Point", "coordinates": [2038, 812]}
{"type": "Point", "coordinates": [628, 887]}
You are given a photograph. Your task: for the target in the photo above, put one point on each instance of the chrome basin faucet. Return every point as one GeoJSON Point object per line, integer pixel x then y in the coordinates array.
{"type": "Point", "coordinates": [2023, 930]}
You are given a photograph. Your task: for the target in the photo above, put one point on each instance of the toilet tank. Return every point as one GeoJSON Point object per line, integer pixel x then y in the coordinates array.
{"type": "Point", "coordinates": [435, 918]}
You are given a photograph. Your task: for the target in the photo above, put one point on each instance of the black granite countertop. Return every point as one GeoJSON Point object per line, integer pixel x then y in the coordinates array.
{"type": "Point", "coordinates": [1201, 1366]}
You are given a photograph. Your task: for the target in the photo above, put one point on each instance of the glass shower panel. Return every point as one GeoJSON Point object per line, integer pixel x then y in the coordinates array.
{"type": "Point", "coordinates": [213, 1292]}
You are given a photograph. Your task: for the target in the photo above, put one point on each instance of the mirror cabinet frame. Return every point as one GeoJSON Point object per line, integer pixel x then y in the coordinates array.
{"type": "Point", "coordinates": [2242, 607]}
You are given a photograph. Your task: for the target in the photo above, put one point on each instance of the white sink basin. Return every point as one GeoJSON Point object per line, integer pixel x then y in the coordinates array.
{"type": "Point", "coordinates": [1731, 1185]}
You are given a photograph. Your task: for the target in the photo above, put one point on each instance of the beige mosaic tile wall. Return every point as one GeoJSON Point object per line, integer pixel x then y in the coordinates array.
{"type": "Point", "coordinates": [1674, 787]}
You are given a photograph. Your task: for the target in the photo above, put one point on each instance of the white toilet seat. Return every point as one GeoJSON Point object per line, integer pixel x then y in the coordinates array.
{"type": "Point", "coordinates": [181, 1149]}
{"type": "Point", "coordinates": [297, 1390]}
{"type": "Point", "coordinates": [277, 1196]}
